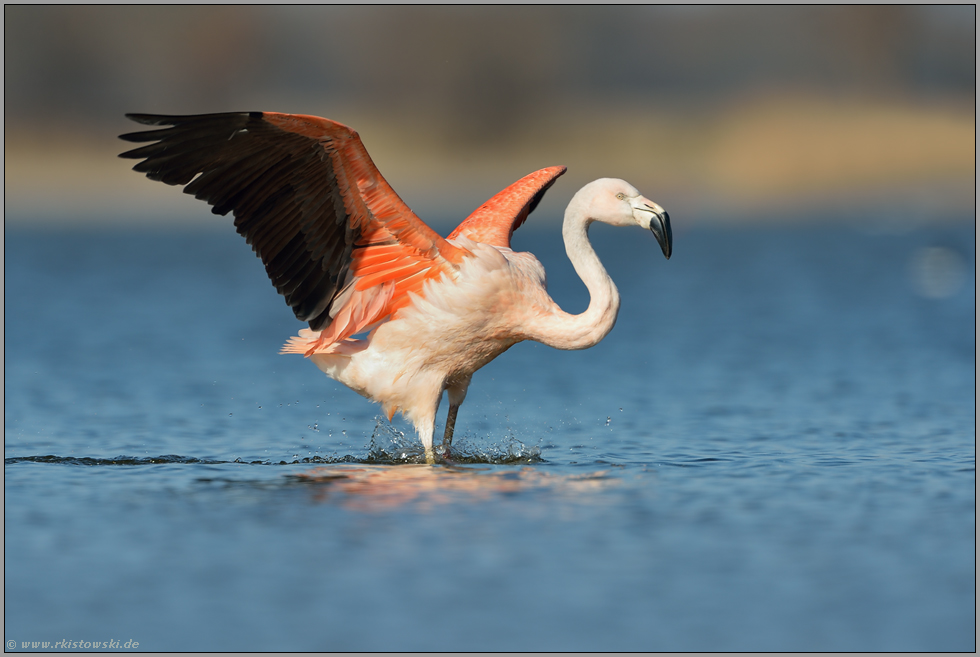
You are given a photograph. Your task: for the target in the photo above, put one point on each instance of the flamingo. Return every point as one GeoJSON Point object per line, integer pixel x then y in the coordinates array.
{"type": "Point", "coordinates": [396, 312]}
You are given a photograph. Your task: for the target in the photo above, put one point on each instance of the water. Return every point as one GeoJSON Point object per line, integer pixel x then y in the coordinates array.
{"type": "Point", "coordinates": [773, 450]}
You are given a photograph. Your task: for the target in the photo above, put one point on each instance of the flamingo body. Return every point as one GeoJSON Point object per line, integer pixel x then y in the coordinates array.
{"type": "Point", "coordinates": [463, 323]}
{"type": "Point", "coordinates": [351, 258]}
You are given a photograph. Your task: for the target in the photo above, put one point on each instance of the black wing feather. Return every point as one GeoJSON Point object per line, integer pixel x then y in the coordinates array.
{"type": "Point", "coordinates": [279, 185]}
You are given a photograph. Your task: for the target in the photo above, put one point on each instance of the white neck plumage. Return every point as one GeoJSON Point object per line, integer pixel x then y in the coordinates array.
{"type": "Point", "coordinates": [556, 328]}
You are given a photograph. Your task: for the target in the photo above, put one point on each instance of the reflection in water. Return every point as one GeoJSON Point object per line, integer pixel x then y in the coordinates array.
{"type": "Point", "coordinates": [382, 487]}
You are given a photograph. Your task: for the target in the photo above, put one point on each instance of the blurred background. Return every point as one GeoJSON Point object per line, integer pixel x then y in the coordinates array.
{"type": "Point", "coordinates": [721, 114]}
{"type": "Point", "coordinates": [774, 451]}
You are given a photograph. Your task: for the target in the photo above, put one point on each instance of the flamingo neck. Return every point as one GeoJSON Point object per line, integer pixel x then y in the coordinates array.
{"type": "Point", "coordinates": [559, 329]}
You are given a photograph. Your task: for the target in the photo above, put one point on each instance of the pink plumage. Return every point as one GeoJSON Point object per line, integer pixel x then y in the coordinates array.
{"type": "Point", "coordinates": [396, 312]}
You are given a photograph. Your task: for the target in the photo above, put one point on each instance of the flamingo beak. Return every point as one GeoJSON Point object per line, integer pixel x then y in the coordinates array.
{"type": "Point", "coordinates": [660, 226]}
{"type": "Point", "coordinates": [659, 222]}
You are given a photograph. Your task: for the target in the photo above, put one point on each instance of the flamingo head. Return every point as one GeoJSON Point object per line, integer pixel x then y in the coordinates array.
{"type": "Point", "coordinates": [618, 203]}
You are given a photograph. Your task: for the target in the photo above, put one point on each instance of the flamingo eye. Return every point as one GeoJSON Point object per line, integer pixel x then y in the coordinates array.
{"type": "Point", "coordinates": [621, 196]}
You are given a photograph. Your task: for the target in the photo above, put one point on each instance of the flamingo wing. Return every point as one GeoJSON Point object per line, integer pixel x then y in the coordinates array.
{"type": "Point", "coordinates": [496, 220]}
{"type": "Point", "coordinates": [331, 232]}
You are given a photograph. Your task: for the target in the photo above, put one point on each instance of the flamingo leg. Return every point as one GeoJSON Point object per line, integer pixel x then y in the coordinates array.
{"type": "Point", "coordinates": [456, 393]}
{"type": "Point", "coordinates": [425, 433]}
{"type": "Point", "coordinates": [447, 438]}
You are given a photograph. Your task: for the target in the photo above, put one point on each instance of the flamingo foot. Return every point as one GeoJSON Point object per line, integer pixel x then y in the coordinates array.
{"type": "Point", "coordinates": [445, 453]}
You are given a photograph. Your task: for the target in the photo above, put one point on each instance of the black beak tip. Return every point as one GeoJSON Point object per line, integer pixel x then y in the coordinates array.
{"type": "Point", "coordinates": [661, 230]}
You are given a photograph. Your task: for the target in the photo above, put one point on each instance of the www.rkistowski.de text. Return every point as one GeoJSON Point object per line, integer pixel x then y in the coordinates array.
{"type": "Point", "coordinates": [68, 644]}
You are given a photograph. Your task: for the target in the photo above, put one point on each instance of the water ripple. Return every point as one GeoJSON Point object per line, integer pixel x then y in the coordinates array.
{"type": "Point", "coordinates": [119, 460]}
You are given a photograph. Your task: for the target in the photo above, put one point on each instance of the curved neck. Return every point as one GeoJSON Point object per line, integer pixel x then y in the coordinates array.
{"type": "Point", "coordinates": [556, 328]}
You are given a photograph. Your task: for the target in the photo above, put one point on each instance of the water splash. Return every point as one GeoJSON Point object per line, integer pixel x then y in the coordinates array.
{"type": "Point", "coordinates": [391, 446]}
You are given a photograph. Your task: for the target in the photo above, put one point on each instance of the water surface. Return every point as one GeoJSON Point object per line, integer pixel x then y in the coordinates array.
{"type": "Point", "coordinates": [773, 450]}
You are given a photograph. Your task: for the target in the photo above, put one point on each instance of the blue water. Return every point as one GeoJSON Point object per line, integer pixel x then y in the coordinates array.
{"type": "Point", "coordinates": [773, 450]}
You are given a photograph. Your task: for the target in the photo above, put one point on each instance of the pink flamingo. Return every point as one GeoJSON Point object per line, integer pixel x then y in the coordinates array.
{"type": "Point", "coordinates": [351, 258]}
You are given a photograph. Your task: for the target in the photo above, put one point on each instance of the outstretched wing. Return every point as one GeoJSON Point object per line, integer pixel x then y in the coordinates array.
{"type": "Point", "coordinates": [307, 197]}
{"type": "Point", "coordinates": [496, 220]}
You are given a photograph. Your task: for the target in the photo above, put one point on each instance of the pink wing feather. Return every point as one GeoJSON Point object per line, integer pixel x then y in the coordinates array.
{"type": "Point", "coordinates": [496, 220]}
